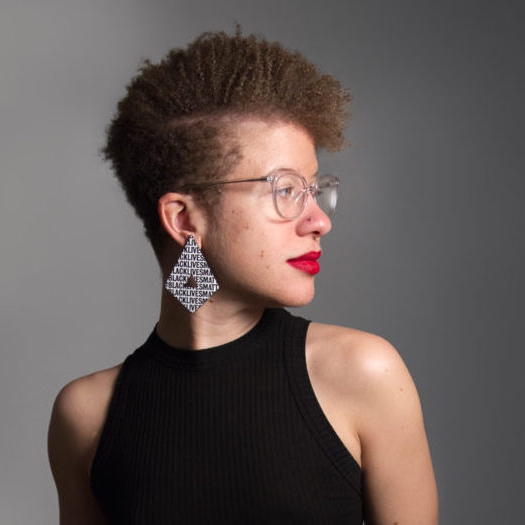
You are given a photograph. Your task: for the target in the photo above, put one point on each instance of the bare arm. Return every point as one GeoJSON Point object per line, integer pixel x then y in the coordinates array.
{"type": "Point", "coordinates": [370, 399]}
{"type": "Point", "coordinates": [76, 422]}
{"type": "Point", "coordinates": [399, 482]}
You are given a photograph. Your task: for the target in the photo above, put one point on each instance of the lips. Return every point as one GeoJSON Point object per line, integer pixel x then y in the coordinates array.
{"type": "Point", "coordinates": [306, 263]}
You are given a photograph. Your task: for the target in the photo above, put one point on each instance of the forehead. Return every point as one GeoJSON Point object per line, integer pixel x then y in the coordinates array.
{"type": "Point", "coordinates": [265, 146]}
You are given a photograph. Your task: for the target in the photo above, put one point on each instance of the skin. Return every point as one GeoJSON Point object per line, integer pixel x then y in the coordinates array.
{"type": "Point", "coordinates": [363, 386]}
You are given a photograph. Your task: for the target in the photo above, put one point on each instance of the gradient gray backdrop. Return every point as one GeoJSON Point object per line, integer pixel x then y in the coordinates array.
{"type": "Point", "coordinates": [427, 247]}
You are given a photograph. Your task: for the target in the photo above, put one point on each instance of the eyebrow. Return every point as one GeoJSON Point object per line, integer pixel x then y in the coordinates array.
{"type": "Point", "coordinates": [291, 170]}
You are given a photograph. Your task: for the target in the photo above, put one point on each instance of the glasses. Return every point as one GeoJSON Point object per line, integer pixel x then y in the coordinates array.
{"type": "Point", "coordinates": [290, 191]}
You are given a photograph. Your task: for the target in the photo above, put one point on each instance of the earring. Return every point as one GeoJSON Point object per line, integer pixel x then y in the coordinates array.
{"type": "Point", "coordinates": [191, 280]}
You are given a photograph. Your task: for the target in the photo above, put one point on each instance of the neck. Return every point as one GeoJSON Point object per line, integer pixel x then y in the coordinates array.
{"type": "Point", "coordinates": [213, 324]}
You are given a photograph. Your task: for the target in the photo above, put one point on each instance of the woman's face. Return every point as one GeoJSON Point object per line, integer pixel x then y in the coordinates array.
{"type": "Point", "coordinates": [250, 248]}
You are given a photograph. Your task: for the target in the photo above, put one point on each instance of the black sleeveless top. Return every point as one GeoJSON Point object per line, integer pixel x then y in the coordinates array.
{"type": "Point", "coordinates": [232, 434]}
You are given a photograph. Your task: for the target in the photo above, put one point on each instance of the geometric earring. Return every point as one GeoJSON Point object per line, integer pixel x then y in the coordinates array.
{"type": "Point", "coordinates": [191, 281]}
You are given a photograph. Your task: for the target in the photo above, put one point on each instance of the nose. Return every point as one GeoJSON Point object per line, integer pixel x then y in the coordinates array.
{"type": "Point", "coordinates": [314, 220]}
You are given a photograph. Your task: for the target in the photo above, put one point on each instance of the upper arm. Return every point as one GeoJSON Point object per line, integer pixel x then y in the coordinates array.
{"type": "Point", "coordinates": [76, 422]}
{"type": "Point", "coordinates": [399, 482]}
{"type": "Point", "coordinates": [367, 394]}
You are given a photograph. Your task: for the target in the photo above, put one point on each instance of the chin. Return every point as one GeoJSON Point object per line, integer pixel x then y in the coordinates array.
{"type": "Point", "coordinates": [297, 300]}
{"type": "Point", "coordinates": [292, 297]}
{"type": "Point", "coordinates": [298, 304]}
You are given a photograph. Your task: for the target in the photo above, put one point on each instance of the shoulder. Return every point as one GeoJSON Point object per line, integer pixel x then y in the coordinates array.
{"type": "Point", "coordinates": [361, 382]}
{"type": "Point", "coordinates": [355, 360]}
{"type": "Point", "coordinates": [370, 399]}
{"type": "Point", "coordinates": [85, 397]}
{"type": "Point", "coordinates": [79, 412]}
{"type": "Point", "coordinates": [76, 423]}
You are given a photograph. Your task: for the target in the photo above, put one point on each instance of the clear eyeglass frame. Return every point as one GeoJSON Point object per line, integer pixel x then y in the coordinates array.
{"type": "Point", "coordinates": [290, 191]}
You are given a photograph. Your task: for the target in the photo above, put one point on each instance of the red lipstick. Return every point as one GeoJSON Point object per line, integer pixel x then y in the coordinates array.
{"type": "Point", "coordinates": [306, 262]}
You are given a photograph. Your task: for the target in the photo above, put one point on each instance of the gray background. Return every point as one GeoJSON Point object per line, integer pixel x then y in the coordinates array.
{"type": "Point", "coordinates": [427, 247]}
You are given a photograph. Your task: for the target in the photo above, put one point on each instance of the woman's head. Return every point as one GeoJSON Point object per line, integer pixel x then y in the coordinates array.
{"type": "Point", "coordinates": [176, 125]}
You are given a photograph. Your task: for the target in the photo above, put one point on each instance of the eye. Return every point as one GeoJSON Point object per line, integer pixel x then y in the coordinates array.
{"type": "Point", "coordinates": [289, 186]}
{"type": "Point", "coordinates": [286, 191]}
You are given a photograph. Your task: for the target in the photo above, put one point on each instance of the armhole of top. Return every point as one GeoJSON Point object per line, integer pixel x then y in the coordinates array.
{"type": "Point", "coordinates": [112, 421]}
{"type": "Point", "coordinates": [310, 409]}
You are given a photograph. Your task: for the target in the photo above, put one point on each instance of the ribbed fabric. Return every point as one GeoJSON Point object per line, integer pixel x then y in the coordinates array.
{"type": "Point", "coordinates": [232, 434]}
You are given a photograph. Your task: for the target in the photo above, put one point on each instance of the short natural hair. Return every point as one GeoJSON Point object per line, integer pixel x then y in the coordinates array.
{"type": "Point", "coordinates": [172, 126]}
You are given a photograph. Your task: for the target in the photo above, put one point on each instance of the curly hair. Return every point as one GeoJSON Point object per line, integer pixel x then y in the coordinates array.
{"type": "Point", "coordinates": [175, 124]}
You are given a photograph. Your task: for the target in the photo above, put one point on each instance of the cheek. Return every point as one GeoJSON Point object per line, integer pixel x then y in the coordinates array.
{"type": "Point", "coordinates": [244, 237]}
{"type": "Point", "coordinates": [232, 217]}
{"type": "Point", "coordinates": [237, 229]}
{"type": "Point", "coordinates": [241, 221]}
{"type": "Point", "coordinates": [264, 260]}
{"type": "Point", "coordinates": [230, 234]}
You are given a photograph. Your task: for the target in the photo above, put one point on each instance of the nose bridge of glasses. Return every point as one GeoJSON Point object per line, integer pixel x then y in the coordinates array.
{"type": "Point", "coordinates": [313, 189]}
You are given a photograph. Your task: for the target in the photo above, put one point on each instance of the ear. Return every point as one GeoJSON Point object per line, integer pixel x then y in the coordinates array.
{"type": "Point", "coordinates": [179, 216]}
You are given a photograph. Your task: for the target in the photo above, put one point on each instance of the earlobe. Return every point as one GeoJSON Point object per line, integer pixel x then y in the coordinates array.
{"type": "Point", "coordinates": [173, 210]}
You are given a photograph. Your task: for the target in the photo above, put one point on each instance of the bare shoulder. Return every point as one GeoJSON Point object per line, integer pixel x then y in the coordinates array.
{"type": "Point", "coordinates": [370, 399]}
{"type": "Point", "coordinates": [77, 420]}
{"type": "Point", "coordinates": [365, 376]}
{"type": "Point", "coordinates": [81, 406]}
{"type": "Point", "coordinates": [88, 389]}
{"type": "Point", "coordinates": [359, 362]}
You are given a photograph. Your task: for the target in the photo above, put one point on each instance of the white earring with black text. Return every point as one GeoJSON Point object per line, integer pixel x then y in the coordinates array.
{"type": "Point", "coordinates": [191, 281]}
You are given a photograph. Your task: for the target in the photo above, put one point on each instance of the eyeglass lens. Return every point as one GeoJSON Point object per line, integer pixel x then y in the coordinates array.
{"type": "Point", "coordinates": [290, 194]}
{"type": "Point", "coordinates": [327, 194]}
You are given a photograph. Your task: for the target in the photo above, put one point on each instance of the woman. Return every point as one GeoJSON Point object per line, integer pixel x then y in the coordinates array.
{"type": "Point", "coordinates": [233, 410]}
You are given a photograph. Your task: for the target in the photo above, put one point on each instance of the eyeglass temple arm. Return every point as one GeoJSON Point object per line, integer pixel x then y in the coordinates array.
{"type": "Point", "coordinates": [197, 185]}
